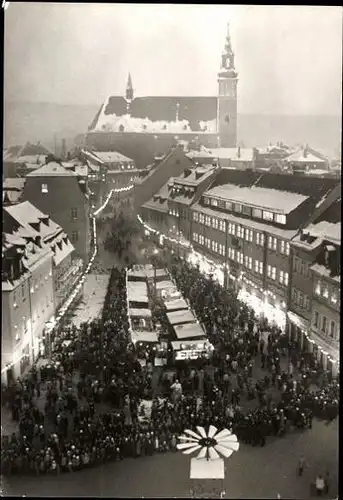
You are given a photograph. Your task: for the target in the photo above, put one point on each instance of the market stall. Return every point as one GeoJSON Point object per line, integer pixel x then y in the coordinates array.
{"type": "Point", "coordinates": [191, 350]}
{"type": "Point", "coordinates": [182, 317]}
{"type": "Point", "coordinates": [189, 331]}
{"type": "Point", "coordinates": [140, 319]}
{"type": "Point", "coordinates": [176, 305]}
{"type": "Point", "coordinates": [137, 292]}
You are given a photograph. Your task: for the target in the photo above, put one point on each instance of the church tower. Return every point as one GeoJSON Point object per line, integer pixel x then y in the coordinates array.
{"type": "Point", "coordinates": [227, 97]}
{"type": "Point", "coordinates": [129, 93]}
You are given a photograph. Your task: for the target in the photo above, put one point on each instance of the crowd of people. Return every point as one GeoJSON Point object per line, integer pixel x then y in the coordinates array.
{"type": "Point", "coordinates": [94, 385]}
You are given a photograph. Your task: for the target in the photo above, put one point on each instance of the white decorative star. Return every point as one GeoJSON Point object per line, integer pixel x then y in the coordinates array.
{"type": "Point", "coordinates": [211, 445]}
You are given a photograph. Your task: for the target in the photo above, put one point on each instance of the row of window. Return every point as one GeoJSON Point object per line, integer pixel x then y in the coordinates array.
{"type": "Point", "coordinates": [246, 210]}
{"type": "Point", "coordinates": [301, 267]}
{"type": "Point", "coordinates": [210, 244]}
{"type": "Point", "coordinates": [321, 322]}
{"type": "Point", "coordinates": [328, 293]}
{"type": "Point", "coordinates": [283, 275]}
{"type": "Point", "coordinates": [300, 299]}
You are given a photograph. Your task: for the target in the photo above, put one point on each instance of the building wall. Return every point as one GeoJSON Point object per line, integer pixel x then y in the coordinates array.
{"type": "Point", "coordinates": [227, 112]}
{"type": "Point", "coordinates": [64, 194]}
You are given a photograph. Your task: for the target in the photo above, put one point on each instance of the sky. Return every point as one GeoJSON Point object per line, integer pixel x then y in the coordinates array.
{"type": "Point", "coordinates": [289, 58]}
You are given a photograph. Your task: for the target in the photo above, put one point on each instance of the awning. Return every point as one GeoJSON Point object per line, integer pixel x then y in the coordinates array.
{"type": "Point", "coordinates": [139, 313]}
{"type": "Point", "coordinates": [144, 337]}
{"type": "Point", "coordinates": [137, 292]}
{"type": "Point", "coordinates": [190, 330]}
{"type": "Point", "coordinates": [165, 285]}
{"type": "Point", "coordinates": [180, 317]}
{"type": "Point", "coordinates": [176, 305]}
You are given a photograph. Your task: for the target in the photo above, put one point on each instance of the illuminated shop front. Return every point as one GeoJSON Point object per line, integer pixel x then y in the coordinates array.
{"type": "Point", "coordinates": [206, 266]}
{"type": "Point", "coordinates": [264, 304]}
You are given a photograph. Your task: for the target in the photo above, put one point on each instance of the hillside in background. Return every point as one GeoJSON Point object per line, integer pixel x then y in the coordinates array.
{"type": "Point", "coordinates": [29, 121]}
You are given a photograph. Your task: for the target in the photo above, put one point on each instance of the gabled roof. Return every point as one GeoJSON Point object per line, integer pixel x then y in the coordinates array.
{"type": "Point", "coordinates": [112, 157]}
{"type": "Point", "coordinates": [14, 183]}
{"type": "Point", "coordinates": [52, 169]}
{"type": "Point", "coordinates": [161, 203]}
{"type": "Point", "coordinates": [234, 154]}
{"type": "Point", "coordinates": [304, 156]}
{"type": "Point", "coordinates": [25, 213]}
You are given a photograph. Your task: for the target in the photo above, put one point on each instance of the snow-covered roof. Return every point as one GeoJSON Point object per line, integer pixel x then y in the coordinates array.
{"type": "Point", "coordinates": [176, 305]}
{"type": "Point", "coordinates": [139, 313]}
{"type": "Point", "coordinates": [60, 255]}
{"type": "Point", "coordinates": [92, 156]}
{"type": "Point", "coordinates": [112, 157]}
{"type": "Point", "coordinates": [326, 231]}
{"type": "Point", "coordinates": [52, 169]}
{"type": "Point", "coordinates": [268, 199]}
{"type": "Point", "coordinates": [81, 170]}
{"type": "Point", "coordinates": [190, 330]}
{"type": "Point", "coordinates": [234, 154]}
{"type": "Point", "coordinates": [180, 317]}
{"type": "Point", "coordinates": [194, 154]}
{"type": "Point", "coordinates": [32, 159]}
{"type": "Point", "coordinates": [301, 156]}
{"type": "Point", "coordinates": [137, 291]}
{"type": "Point", "coordinates": [164, 285]}
{"type": "Point", "coordinates": [144, 336]}
{"type": "Point", "coordinates": [325, 272]}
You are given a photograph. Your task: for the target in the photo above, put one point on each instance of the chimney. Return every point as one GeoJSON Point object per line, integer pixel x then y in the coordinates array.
{"type": "Point", "coordinates": [239, 152]}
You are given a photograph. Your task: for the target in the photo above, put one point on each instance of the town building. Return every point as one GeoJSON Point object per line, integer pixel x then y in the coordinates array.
{"type": "Point", "coordinates": [143, 127]}
{"type": "Point", "coordinates": [64, 196]}
{"type": "Point", "coordinates": [18, 161]}
{"type": "Point", "coordinates": [244, 223]}
{"type": "Point", "coordinates": [314, 310]}
{"type": "Point", "coordinates": [306, 159]}
{"type": "Point", "coordinates": [238, 158]}
{"type": "Point", "coordinates": [12, 190]}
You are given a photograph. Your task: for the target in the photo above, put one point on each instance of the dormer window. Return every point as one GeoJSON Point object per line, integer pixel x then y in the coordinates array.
{"type": "Point", "coordinates": [318, 288]}
{"type": "Point", "coordinates": [44, 188]}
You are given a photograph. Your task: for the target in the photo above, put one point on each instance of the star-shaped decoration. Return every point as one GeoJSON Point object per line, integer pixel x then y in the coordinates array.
{"type": "Point", "coordinates": [211, 445]}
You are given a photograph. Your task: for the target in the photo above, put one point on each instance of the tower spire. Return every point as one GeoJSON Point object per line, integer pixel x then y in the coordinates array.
{"type": "Point", "coordinates": [129, 89]}
{"type": "Point", "coordinates": [228, 57]}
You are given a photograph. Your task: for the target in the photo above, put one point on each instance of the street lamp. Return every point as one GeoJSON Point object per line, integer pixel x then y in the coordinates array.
{"type": "Point", "coordinates": [211, 447]}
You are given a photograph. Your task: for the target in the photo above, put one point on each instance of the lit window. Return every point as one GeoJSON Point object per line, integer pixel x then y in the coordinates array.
{"type": "Point", "coordinates": [44, 188]}
{"type": "Point", "coordinates": [250, 263]}
{"type": "Point", "coordinates": [195, 216]}
{"type": "Point", "coordinates": [222, 225]}
{"type": "Point", "coordinates": [318, 288]}
{"type": "Point", "coordinates": [282, 246]}
{"type": "Point", "coordinates": [207, 220]}
{"type": "Point", "coordinates": [287, 248]}
{"type": "Point", "coordinates": [261, 267]}
{"type": "Point", "coordinates": [281, 277]}
{"type": "Point", "coordinates": [286, 279]}
{"type": "Point", "coordinates": [334, 297]}
{"type": "Point", "coordinates": [214, 202]}
{"type": "Point", "coordinates": [269, 271]}
{"type": "Point", "coordinates": [267, 215]}
{"type": "Point", "coordinates": [238, 208]}
{"type": "Point", "coordinates": [215, 223]}
{"type": "Point", "coordinates": [326, 292]}
{"type": "Point", "coordinates": [195, 237]}
{"type": "Point", "coordinates": [280, 219]}
{"type": "Point", "coordinates": [246, 261]}
{"type": "Point", "coordinates": [273, 273]}
{"type": "Point", "coordinates": [256, 212]}
{"type": "Point", "coordinates": [256, 266]}
{"type": "Point", "coordinates": [240, 232]}
{"type": "Point", "coordinates": [228, 205]}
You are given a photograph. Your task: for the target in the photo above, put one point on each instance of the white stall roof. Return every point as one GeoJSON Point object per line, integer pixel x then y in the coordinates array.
{"type": "Point", "coordinates": [160, 273]}
{"type": "Point", "coordinates": [137, 291]}
{"type": "Point", "coordinates": [190, 330]}
{"type": "Point", "coordinates": [163, 285]}
{"type": "Point", "coordinates": [136, 273]}
{"type": "Point", "coordinates": [139, 313]}
{"type": "Point", "coordinates": [144, 336]}
{"type": "Point", "coordinates": [176, 305]}
{"type": "Point", "coordinates": [178, 317]}
{"type": "Point", "coordinates": [207, 469]}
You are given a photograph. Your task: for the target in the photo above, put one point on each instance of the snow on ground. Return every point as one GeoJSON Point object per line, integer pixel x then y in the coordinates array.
{"type": "Point", "coordinates": [95, 288]}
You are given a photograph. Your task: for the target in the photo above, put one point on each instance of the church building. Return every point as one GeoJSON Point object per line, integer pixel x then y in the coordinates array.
{"type": "Point", "coordinates": [143, 127]}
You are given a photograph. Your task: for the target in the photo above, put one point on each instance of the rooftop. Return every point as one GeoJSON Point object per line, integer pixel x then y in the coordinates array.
{"type": "Point", "coordinates": [277, 201]}
{"type": "Point", "coordinates": [52, 169]}
{"type": "Point", "coordinates": [233, 154]}
{"type": "Point", "coordinates": [304, 155]}
{"type": "Point", "coordinates": [111, 157]}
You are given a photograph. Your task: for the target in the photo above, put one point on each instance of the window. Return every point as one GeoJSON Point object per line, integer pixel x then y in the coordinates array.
{"type": "Point", "coordinates": [246, 261]}
{"type": "Point", "coordinates": [281, 277]}
{"type": "Point", "coordinates": [256, 212]}
{"type": "Point", "coordinates": [256, 266]}
{"type": "Point", "coordinates": [216, 246]}
{"type": "Point", "coordinates": [287, 248]}
{"type": "Point", "coordinates": [294, 295]}
{"type": "Point", "coordinates": [201, 239]}
{"type": "Point", "coordinates": [286, 279]}
{"type": "Point", "coordinates": [306, 302]}
{"type": "Point", "coordinates": [195, 237]}
{"type": "Point", "coordinates": [316, 319]}
{"type": "Point", "coordinates": [231, 253]}
{"type": "Point", "coordinates": [318, 288]}
{"type": "Point", "coordinates": [274, 273]}
{"type": "Point", "coordinates": [269, 271]}
{"type": "Point", "coordinates": [214, 202]}
{"type": "Point", "coordinates": [241, 257]}
{"type": "Point", "coordinates": [332, 329]}
{"type": "Point", "coordinates": [208, 242]}
{"type": "Point", "coordinates": [295, 263]}
{"type": "Point", "coordinates": [207, 220]}
{"type": "Point", "coordinates": [282, 246]}
{"type": "Point", "coordinates": [301, 267]}
{"type": "Point", "coordinates": [301, 299]}
{"type": "Point", "coordinates": [324, 324]}
{"type": "Point", "coordinates": [248, 235]}
{"type": "Point", "coordinates": [333, 296]}
{"type": "Point", "coordinates": [260, 267]}
{"type": "Point", "coordinates": [267, 215]}
{"type": "Point", "coordinates": [250, 262]}
{"type": "Point", "coordinates": [238, 208]}
{"type": "Point", "coordinates": [74, 236]}
{"type": "Point", "coordinates": [228, 205]}
{"type": "Point", "coordinates": [214, 223]}
{"type": "Point", "coordinates": [280, 219]}
{"type": "Point", "coordinates": [195, 216]}
{"type": "Point", "coordinates": [240, 232]}
{"type": "Point", "coordinates": [272, 243]}
{"type": "Point", "coordinates": [326, 292]}
{"type": "Point", "coordinates": [201, 218]}
{"type": "Point", "coordinates": [206, 201]}
{"type": "Point", "coordinates": [222, 225]}
{"type": "Point", "coordinates": [44, 188]}
{"type": "Point", "coordinates": [246, 210]}
{"type": "Point", "coordinates": [232, 228]}
{"type": "Point", "coordinates": [74, 213]}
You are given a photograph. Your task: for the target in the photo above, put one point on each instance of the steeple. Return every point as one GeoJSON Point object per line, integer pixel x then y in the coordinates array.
{"type": "Point", "coordinates": [129, 89]}
{"type": "Point", "coordinates": [228, 57]}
